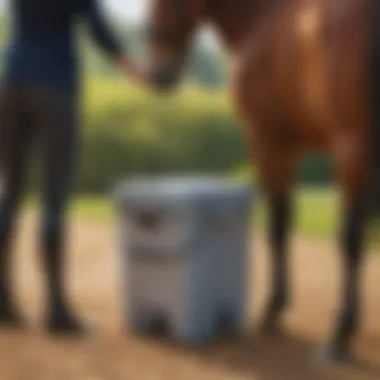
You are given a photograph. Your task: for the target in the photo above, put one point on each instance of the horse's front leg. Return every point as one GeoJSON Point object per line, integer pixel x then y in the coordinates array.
{"type": "Point", "coordinates": [351, 169]}
{"type": "Point", "coordinates": [276, 162]}
{"type": "Point", "coordinates": [279, 206]}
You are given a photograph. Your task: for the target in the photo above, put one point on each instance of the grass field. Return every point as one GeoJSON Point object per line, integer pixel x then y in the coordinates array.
{"type": "Point", "coordinates": [316, 211]}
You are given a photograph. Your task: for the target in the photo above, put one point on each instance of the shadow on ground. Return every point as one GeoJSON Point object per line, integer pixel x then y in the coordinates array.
{"type": "Point", "coordinates": [284, 357]}
{"type": "Point", "coordinates": [124, 356]}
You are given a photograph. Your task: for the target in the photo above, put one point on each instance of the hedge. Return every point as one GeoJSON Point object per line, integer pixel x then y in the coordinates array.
{"type": "Point", "coordinates": [127, 131]}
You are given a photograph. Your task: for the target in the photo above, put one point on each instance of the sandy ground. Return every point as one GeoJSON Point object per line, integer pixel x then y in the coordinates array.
{"type": "Point", "coordinates": [114, 353]}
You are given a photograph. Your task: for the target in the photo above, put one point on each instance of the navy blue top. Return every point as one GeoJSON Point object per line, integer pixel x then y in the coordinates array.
{"type": "Point", "coordinates": [42, 49]}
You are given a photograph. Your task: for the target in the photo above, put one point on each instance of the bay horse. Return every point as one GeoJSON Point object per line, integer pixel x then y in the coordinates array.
{"type": "Point", "coordinates": [301, 82]}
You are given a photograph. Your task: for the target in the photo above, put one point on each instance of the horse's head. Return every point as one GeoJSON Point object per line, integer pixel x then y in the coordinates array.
{"type": "Point", "coordinates": [171, 25]}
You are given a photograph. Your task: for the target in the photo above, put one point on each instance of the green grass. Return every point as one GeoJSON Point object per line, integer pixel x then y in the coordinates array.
{"type": "Point", "coordinates": [93, 208]}
{"type": "Point", "coordinates": [86, 208]}
{"type": "Point", "coordinates": [316, 211]}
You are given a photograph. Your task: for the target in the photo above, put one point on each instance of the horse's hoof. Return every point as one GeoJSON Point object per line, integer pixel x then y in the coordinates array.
{"type": "Point", "coordinates": [65, 329]}
{"type": "Point", "coordinates": [272, 329]}
{"type": "Point", "coordinates": [332, 355]}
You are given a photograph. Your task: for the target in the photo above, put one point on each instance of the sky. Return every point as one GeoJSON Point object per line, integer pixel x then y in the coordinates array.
{"type": "Point", "coordinates": [130, 10]}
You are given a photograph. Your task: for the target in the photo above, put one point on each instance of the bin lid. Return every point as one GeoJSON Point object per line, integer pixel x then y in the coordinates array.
{"type": "Point", "coordinates": [180, 188]}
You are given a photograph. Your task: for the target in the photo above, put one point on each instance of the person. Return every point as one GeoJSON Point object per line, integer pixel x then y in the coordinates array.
{"type": "Point", "coordinates": [39, 100]}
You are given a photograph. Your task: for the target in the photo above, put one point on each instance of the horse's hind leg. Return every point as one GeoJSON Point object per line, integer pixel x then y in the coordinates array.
{"type": "Point", "coordinates": [276, 162]}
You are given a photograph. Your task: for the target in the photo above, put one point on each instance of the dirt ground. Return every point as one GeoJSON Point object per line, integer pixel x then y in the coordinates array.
{"type": "Point", "coordinates": [114, 353]}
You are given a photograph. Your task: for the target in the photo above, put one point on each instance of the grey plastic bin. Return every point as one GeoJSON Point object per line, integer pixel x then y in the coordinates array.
{"type": "Point", "coordinates": [185, 246]}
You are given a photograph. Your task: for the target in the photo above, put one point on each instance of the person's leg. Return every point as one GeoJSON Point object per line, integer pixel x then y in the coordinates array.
{"type": "Point", "coordinates": [15, 141]}
{"type": "Point", "coordinates": [57, 117]}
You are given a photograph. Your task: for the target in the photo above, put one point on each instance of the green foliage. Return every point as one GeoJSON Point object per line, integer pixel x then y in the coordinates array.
{"type": "Point", "coordinates": [206, 67]}
{"type": "Point", "coordinates": [129, 132]}
{"type": "Point", "coordinates": [313, 169]}
{"type": "Point", "coordinates": [4, 31]}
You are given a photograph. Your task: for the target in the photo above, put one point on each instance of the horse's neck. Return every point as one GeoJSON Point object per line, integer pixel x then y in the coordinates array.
{"type": "Point", "coordinates": [233, 19]}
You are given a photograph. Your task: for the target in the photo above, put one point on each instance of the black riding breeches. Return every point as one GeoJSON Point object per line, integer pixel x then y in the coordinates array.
{"type": "Point", "coordinates": [30, 114]}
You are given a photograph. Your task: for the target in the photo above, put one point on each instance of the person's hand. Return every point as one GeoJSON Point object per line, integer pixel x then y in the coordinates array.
{"type": "Point", "coordinates": [129, 68]}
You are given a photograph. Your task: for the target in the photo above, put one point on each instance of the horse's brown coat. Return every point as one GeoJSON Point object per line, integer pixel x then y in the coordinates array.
{"type": "Point", "coordinates": [301, 80]}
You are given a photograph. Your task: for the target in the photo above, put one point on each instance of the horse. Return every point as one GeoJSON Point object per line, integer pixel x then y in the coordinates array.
{"type": "Point", "coordinates": [302, 81]}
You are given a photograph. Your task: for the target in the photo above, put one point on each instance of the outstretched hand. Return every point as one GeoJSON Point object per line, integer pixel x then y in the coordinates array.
{"type": "Point", "coordinates": [130, 69]}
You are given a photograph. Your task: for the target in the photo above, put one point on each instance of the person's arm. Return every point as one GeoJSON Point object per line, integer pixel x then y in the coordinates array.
{"type": "Point", "coordinates": [101, 31]}
{"type": "Point", "coordinates": [108, 42]}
